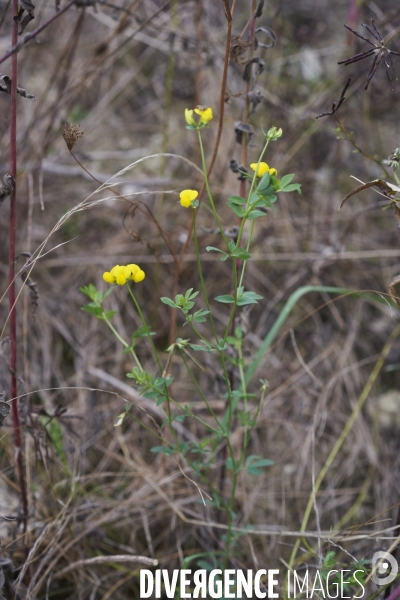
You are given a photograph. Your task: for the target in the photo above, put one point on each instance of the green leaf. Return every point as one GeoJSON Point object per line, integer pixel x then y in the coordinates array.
{"type": "Point", "coordinates": [242, 253]}
{"type": "Point", "coordinates": [189, 295]}
{"type": "Point", "coordinates": [286, 179]}
{"type": "Point", "coordinates": [168, 301]}
{"type": "Point", "coordinates": [55, 433]}
{"type": "Point", "coordinates": [97, 311]}
{"type": "Point", "coordinates": [259, 201]}
{"type": "Point", "coordinates": [248, 298]}
{"type": "Point", "coordinates": [292, 187]}
{"type": "Point", "coordinates": [264, 201]}
{"type": "Point", "coordinates": [237, 200]}
{"type": "Point", "coordinates": [253, 198]}
{"type": "Point", "coordinates": [209, 248]}
{"type": "Point", "coordinates": [89, 290]}
{"type": "Point", "coordinates": [254, 214]}
{"type": "Point", "coordinates": [264, 183]}
{"type": "Point", "coordinates": [254, 464]}
{"type": "Point", "coordinates": [141, 332]}
{"type": "Point", "coordinates": [238, 210]}
{"type": "Point", "coordinates": [151, 394]}
{"type": "Point", "coordinates": [162, 450]}
{"type": "Point", "coordinates": [221, 346]}
{"type": "Point", "coordinates": [200, 348]}
{"type": "Point", "coordinates": [110, 314]}
{"type": "Point", "coordinates": [180, 418]}
{"type": "Point", "coordinates": [226, 299]}
{"type": "Point", "coordinates": [269, 191]}
{"type": "Point", "coordinates": [199, 315]}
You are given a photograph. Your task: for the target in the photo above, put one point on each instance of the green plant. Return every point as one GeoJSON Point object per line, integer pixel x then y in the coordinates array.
{"type": "Point", "coordinates": [242, 406]}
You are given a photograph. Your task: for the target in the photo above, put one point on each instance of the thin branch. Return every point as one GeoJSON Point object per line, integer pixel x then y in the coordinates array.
{"type": "Point", "coordinates": [335, 106]}
{"type": "Point", "coordinates": [30, 36]}
{"type": "Point", "coordinates": [11, 275]}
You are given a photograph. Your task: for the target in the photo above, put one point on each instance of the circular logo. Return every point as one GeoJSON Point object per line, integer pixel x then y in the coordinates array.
{"type": "Point", "coordinates": [385, 567]}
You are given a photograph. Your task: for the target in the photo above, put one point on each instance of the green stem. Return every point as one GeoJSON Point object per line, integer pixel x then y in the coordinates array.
{"type": "Point", "coordinates": [242, 224]}
{"type": "Point", "coordinates": [167, 396]}
{"type": "Point", "coordinates": [199, 267]}
{"type": "Point", "coordinates": [148, 429]}
{"type": "Point", "coordinates": [197, 332]}
{"type": "Point", "coordinates": [203, 163]}
{"type": "Point", "coordinates": [123, 342]}
{"type": "Point", "coordinates": [146, 327]}
{"type": "Point", "coordinates": [198, 388]}
{"type": "Point", "coordinates": [248, 248]}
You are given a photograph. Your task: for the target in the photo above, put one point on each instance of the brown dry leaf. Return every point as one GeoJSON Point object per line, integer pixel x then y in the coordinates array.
{"type": "Point", "coordinates": [389, 189]}
{"type": "Point", "coordinates": [248, 70]}
{"type": "Point", "coordinates": [243, 128]}
{"type": "Point", "coordinates": [259, 9]}
{"type": "Point", "coordinates": [269, 33]}
{"type": "Point", "coordinates": [5, 86]}
{"type": "Point", "coordinates": [25, 5]}
{"type": "Point", "coordinates": [8, 186]}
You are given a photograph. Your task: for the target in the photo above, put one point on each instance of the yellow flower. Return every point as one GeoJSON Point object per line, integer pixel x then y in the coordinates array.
{"type": "Point", "coordinates": [189, 117]}
{"type": "Point", "coordinates": [120, 275]}
{"type": "Point", "coordinates": [187, 197]}
{"type": "Point", "coordinates": [111, 276]}
{"type": "Point", "coordinates": [205, 113]}
{"type": "Point", "coordinates": [262, 169]}
{"type": "Point", "coordinates": [108, 277]}
{"type": "Point", "coordinates": [137, 274]}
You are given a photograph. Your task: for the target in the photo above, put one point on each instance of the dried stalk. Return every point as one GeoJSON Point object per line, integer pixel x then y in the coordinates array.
{"type": "Point", "coordinates": [11, 274]}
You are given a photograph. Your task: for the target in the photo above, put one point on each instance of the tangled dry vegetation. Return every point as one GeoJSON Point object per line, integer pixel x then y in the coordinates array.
{"type": "Point", "coordinates": [125, 71]}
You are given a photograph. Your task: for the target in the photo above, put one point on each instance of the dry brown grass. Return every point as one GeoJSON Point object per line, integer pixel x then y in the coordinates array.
{"type": "Point", "coordinates": [99, 490]}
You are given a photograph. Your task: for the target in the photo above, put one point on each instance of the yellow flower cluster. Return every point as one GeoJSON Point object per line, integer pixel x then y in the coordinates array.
{"type": "Point", "coordinates": [262, 169]}
{"type": "Point", "coordinates": [187, 197]}
{"type": "Point", "coordinates": [120, 275]}
{"type": "Point", "coordinates": [204, 112]}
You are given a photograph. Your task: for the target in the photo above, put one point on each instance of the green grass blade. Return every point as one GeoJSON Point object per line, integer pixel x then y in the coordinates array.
{"type": "Point", "coordinates": [287, 309]}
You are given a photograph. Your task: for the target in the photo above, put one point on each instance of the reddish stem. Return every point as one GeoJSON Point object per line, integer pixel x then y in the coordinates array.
{"type": "Point", "coordinates": [11, 271]}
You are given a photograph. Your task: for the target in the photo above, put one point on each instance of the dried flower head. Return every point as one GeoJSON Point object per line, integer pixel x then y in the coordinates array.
{"type": "Point", "coordinates": [379, 51]}
{"type": "Point", "coordinates": [71, 134]}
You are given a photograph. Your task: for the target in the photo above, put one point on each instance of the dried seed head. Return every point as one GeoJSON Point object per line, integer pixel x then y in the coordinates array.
{"type": "Point", "coordinates": [71, 134]}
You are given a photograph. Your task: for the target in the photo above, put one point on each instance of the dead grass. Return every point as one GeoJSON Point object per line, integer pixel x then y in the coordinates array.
{"type": "Point", "coordinates": [98, 490]}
